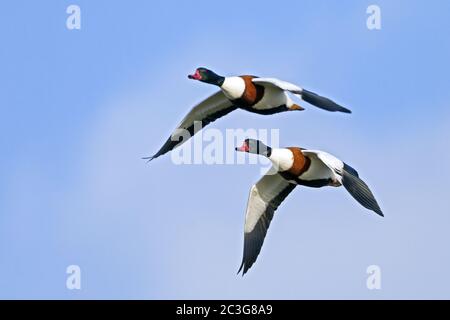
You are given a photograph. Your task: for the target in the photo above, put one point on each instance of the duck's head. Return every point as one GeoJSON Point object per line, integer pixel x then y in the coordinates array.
{"type": "Point", "coordinates": [256, 147]}
{"type": "Point", "coordinates": [206, 75]}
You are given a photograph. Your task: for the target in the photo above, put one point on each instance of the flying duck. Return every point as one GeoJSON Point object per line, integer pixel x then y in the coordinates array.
{"type": "Point", "coordinates": [258, 95]}
{"type": "Point", "coordinates": [292, 167]}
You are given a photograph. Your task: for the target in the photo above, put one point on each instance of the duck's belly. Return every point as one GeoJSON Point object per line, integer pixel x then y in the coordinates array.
{"type": "Point", "coordinates": [317, 171]}
{"type": "Point", "coordinates": [318, 175]}
{"type": "Point", "coordinates": [273, 98]}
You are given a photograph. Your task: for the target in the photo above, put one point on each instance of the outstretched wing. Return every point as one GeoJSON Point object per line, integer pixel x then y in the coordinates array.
{"type": "Point", "coordinates": [283, 85]}
{"type": "Point", "coordinates": [359, 190]}
{"type": "Point", "coordinates": [308, 96]}
{"type": "Point", "coordinates": [207, 111]}
{"type": "Point", "coordinates": [349, 178]}
{"type": "Point", "coordinates": [265, 197]}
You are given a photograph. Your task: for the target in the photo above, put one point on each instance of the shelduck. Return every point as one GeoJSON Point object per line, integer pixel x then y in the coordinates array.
{"type": "Point", "coordinates": [293, 167]}
{"type": "Point", "coordinates": [258, 95]}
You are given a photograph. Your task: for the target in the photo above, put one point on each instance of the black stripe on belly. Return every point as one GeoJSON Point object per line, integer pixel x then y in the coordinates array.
{"type": "Point", "coordinates": [319, 183]}
{"type": "Point", "coordinates": [279, 109]}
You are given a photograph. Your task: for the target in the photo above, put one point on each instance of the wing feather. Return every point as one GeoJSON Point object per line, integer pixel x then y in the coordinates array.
{"type": "Point", "coordinates": [308, 96]}
{"type": "Point", "coordinates": [207, 111]}
{"type": "Point", "coordinates": [283, 85]}
{"type": "Point", "coordinates": [264, 199]}
{"type": "Point", "coordinates": [349, 178]}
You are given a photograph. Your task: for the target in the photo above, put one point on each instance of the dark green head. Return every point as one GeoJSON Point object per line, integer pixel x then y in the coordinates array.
{"type": "Point", "coordinates": [256, 147]}
{"type": "Point", "coordinates": [205, 75]}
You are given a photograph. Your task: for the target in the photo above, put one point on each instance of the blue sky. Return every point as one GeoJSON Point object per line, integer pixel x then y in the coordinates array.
{"type": "Point", "coordinates": [79, 108]}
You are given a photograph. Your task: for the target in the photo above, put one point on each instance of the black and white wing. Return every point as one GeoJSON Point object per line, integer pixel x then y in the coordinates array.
{"type": "Point", "coordinates": [207, 111]}
{"type": "Point", "coordinates": [308, 96]}
{"type": "Point", "coordinates": [265, 197]}
{"type": "Point", "coordinates": [349, 178]}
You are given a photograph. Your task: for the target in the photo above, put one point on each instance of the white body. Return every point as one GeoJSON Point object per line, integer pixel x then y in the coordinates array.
{"type": "Point", "coordinates": [273, 98]}
{"type": "Point", "coordinates": [323, 165]}
{"type": "Point", "coordinates": [282, 159]}
{"type": "Point", "coordinates": [234, 88]}
{"type": "Point", "coordinates": [276, 93]}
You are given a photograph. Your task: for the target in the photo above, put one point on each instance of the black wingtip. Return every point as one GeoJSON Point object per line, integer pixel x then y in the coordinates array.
{"type": "Point", "coordinates": [240, 269]}
{"type": "Point", "coordinates": [375, 207]}
{"type": "Point", "coordinates": [360, 191]}
{"type": "Point", "coordinates": [148, 158]}
{"type": "Point", "coordinates": [322, 102]}
{"type": "Point", "coordinates": [345, 110]}
{"type": "Point", "coordinates": [339, 108]}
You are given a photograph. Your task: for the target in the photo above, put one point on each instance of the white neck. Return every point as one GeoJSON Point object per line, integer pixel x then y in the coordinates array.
{"type": "Point", "coordinates": [233, 87]}
{"type": "Point", "coordinates": [282, 159]}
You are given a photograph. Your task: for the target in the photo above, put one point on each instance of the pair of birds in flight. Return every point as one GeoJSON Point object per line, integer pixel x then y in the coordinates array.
{"type": "Point", "coordinates": [292, 166]}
